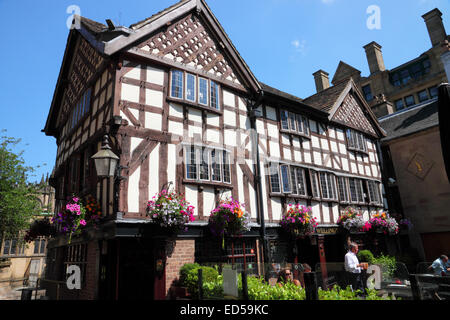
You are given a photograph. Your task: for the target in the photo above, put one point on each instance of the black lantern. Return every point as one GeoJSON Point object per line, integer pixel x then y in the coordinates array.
{"type": "Point", "coordinates": [105, 160]}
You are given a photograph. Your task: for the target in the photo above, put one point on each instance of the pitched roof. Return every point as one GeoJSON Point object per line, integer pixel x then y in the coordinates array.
{"type": "Point", "coordinates": [343, 72]}
{"type": "Point", "coordinates": [155, 16]}
{"type": "Point", "coordinates": [93, 26]}
{"type": "Point", "coordinates": [280, 93]}
{"type": "Point", "coordinates": [411, 120]}
{"type": "Point", "coordinates": [325, 100]}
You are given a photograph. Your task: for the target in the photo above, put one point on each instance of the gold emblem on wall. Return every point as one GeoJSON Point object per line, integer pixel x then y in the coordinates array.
{"type": "Point", "coordinates": [420, 166]}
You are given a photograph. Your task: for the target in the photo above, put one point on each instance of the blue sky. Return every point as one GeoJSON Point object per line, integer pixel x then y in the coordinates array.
{"type": "Point", "coordinates": [282, 41]}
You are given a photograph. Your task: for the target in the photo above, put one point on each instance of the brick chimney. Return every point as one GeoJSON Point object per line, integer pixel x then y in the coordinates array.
{"type": "Point", "coordinates": [322, 80]}
{"type": "Point", "coordinates": [374, 57]}
{"type": "Point", "coordinates": [436, 30]}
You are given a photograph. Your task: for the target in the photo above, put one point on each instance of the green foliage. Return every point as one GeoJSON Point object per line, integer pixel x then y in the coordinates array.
{"type": "Point", "coordinates": [258, 289]}
{"type": "Point", "coordinates": [366, 256]}
{"type": "Point", "coordinates": [18, 198]}
{"type": "Point", "coordinates": [210, 275]}
{"type": "Point", "coordinates": [337, 293]}
{"type": "Point", "coordinates": [388, 265]}
{"type": "Point", "coordinates": [184, 270]}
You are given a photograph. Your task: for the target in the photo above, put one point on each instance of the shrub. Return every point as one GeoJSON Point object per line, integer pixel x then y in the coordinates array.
{"type": "Point", "coordinates": [184, 270]}
{"type": "Point", "coordinates": [258, 289]}
{"type": "Point", "coordinates": [366, 256]}
{"type": "Point", "coordinates": [191, 280]}
{"type": "Point", "coordinates": [388, 266]}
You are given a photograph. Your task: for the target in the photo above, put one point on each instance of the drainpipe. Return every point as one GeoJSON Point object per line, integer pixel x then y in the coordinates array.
{"type": "Point", "coordinates": [257, 169]}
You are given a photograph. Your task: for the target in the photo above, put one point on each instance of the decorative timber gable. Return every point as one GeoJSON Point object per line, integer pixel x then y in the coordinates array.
{"type": "Point", "coordinates": [351, 113]}
{"type": "Point", "coordinates": [85, 62]}
{"type": "Point", "coordinates": [188, 42]}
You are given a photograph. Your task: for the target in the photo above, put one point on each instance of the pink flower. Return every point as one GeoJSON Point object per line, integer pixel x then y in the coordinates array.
{"type": "Point", "coordinates": [83, 222]}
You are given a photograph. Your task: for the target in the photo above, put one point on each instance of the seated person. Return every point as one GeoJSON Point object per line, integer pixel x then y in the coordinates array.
{"type": "Point", "coordinates": [284, 276]}
{"type": "Point", "coordinates": [440, 266]}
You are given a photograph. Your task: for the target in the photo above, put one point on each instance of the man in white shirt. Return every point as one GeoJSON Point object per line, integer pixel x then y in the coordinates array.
{"type": "Point", "coordinates": [353, 268]}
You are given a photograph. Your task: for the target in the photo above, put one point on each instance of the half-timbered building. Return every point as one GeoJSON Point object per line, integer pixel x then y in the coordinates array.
{"type": "Point", "coordinates": [183, 110]}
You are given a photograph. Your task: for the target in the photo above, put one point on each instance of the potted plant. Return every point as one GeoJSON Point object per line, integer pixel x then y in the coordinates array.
{"type": "Point", "coordinates": [298, 221]}
{"type": "Point", "coordinates": [229, 218]}
{"type": "Point", "coordinates": [170, 211]}
{"type": "Point", "coordinates": [352, 220]}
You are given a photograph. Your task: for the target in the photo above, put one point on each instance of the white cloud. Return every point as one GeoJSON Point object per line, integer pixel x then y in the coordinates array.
{"type": "Point", "coordinates": [299, 45]}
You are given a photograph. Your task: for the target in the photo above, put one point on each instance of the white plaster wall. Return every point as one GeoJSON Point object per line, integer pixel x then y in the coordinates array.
{"type": "Point", "coordinates": [153, 181]}
{"type": "Point", "coordinates": [195, 130]}
{"type": "Point", "coordinates": [153, 98]}
{"type": "Point", "coordinates": [213, 119]}
{"type": "Point", "coordinates": [134, 73]}
{"type": "Point", "coordinates": [229, 99]}
{"type": "Point", "coordinates": [274, 149]}
{"type": "Point", "coordinates": [317, 158]}
{"type": "Point", "coordinates": [134, 143]}
{"type": "Point", "coordinates": [155, 76]}
{"type": "Point", "coordinates": [175, 110]}
{"type": "Point", "coordinates": [213, 135]}
{"type": "Point", "coordinates": [208, 201]}
{"type": "Point", "coordinates": [326, 213]}
{"type": "Point", "coordinates": [133, 191]}
{"type": "Point", "coordinates": [176, 127]}
{"type": "Point", "coordinates": [315, 208]}
{"type": "Point", "coordinates": [252, 196]}
{"type": "Point", "coordinates": [272, 131]}
{"type": "Point", "coordinates": [153, 121]}
{"type": "Point", "coordinates": [287, 154]}
{"type": "Point", "coordinates": [171, 164]}
{"type": "Point", "coordinates": [130, 93]}
{"type": "Point", "coordinates": [277, 213]}
{"type": "Point", "coordinates": [229, 118]}
{"type": "Point", "coordinates": [191, 197]}
{"type": "Point", "coordinates": [195, 115]}
{"type": "Point", "coordinates": [240, 184]}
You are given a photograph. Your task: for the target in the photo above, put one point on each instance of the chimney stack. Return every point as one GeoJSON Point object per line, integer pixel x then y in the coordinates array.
{"type": "Point", "coordinates": [436, 30]}
{"type": "Point", "coordinates": [374, 57]}
{"type": "Point", "coordinates": [322, 80]}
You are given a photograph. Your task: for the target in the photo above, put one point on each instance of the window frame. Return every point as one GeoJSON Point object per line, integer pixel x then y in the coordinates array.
{"type": "Point", "coordinates": [288, 119]}
{"type": "Point", "coordinates": [216, 86]}
{"type": "Point", "coordinates": [356, 141]}
{"type": "Point", "coordinates": [199, 151]}
{"type": "Point", "coordinates": [172, 71]}
{"type": "Point", "coordinates": [315, 192]}
{"type": "Point", "coordinates": [396, 104]}
{"type": "Point", "coordinates": [328, 178]}
{"type": "Point", "coordinates": [344, 188]}
{"type": "Point", "coordinates": [207, 91]}
{"type": "Point", "coordinates": [187, 74]}
{"type": "Point", "coordinates": [413, 101]}
{"type": "Point", "coordinates": [421, 92]}
{"type": "Point", "coordinates": [369, 92]}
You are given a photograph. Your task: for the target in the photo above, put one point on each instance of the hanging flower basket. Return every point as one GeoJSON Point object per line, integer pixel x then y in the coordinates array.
{"type": "Point", "coordinates": [229, 219]}
{"type": "Point", "coordinates": [170, 211]}
{"type": "Point", "coordinates": [383, 223]}
{"type": "Point", "coordinates": [40, 228]}
{"type": "Point", "coordinates": [73, 218]}
{"type": "Point", "coordinates": [352, 221]}
{"type": "Point", "coordinates": [299, 221]}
